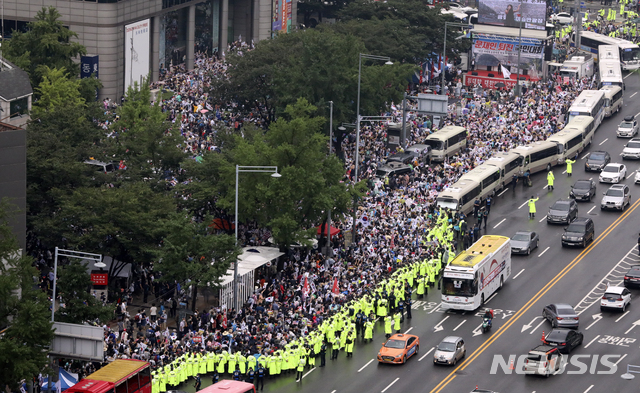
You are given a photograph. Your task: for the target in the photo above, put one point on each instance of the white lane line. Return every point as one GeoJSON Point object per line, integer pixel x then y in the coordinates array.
{"type": "Point", "coordinates": [622, 316]}
{"type": "Point", "coordinates": [545, 187]}
{"type": "Point", "coordinates": [542, 253]}
{"type": "Point", "coordinates": [434, 309]}
{"type": "Point", "coordinates": [460, 324]}
{"type": "Point", "coordinates": [590, 387]}
{"type": "Point", "coordinates": [308, 372]}
{"type": "Point", "coordinates": [537, 326]}
{"type": "Point", "coordinates": [519, 273]}
{"type": "Point", "coordinates": [619, 360]}
{"type": "Point", "coordinates": [585, 156]}
{"type": "Point", "coordinates": [590, 210]}
{"type": "Point", "coordinates": [391, 384]}
{"type": "Point", "coordinates": [368, 363]}
{"type": "Point", "coordinates": [631, 73]}
{"type": "Point", "coordinates": [591, 342]}
{"type": "Point", "coordinates": [333, 391]}
{"type": "Point", "coordinates": [491, 297]}
{"type": "Point", "coordinates": [633, 93]}
{"type": "Point", "coordinates": [410, 329]}
{"type": "Point", "coordinates": [565, 171]}
{"type": "Point", "coordinates": [503, 220]}
{"type": "Point", "coordinates": [503, 191]}
{"type": "Point", "coordinates": [525, 202]}
{"type": "Point", "coordinates": [601, 143]}
{"type": "Point", "coordinates": [440, 323]}
{"type": "Point", "coordinates": [543, 218]}
{"type": "Point", "coordinates": [425, 355]}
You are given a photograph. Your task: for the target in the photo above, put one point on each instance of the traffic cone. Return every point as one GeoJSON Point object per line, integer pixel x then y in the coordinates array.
{"type": "Point", "coordinates": [511, 365]}
{"type": "Point", "coordinates": [542, 338]}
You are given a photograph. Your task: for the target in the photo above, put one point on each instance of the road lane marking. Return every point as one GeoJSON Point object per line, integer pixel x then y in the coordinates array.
{"type": "Point", "coordinates": [591, 342]}
{"type": "Point", "coordinates": [601, 143]}
{"type": "Point", "coordinates": [565, 171]}
{"type": "Point", "coordinates": [591, 387]}
{"type": "Point", "coordinates": [619, 360]}
{"type": "Point", "coordinates": [585, 156]}
{"type": "Point", "coordinates": [597, 318]}
{"type": "Point", "coordinates": [628, 75]}
{"type": "Point", "coordinates": [525, 202]}
{"type": "Point", "coordinates": [622, 316]}
{"type": "Point", "coordinates": [425, 355]}
{"type": "Point", "coordinates": [391, 384]}
{"type": "Point", "coordinates": [503, 191]}
{"type": "Point", "coordinates": [435, 308]}
{"type": "Point", "coordinates": [519, 273]}
{"type": "Point", "coordinates": [333, 391]}
{"type": "Point", "coordinates": [308, 372]}
{"type": "Point", "coordinates": [410, 329]}
{"type": "Point", "coordinates": [368, 363]}
{"type": "Point", "coordinates": [589, 212]}
{"type": "Point", "coordinates": [537, 326]}
{"type": "Point", "coordinates": [439, 327]}
{"type": "Point", "coordinates": [633, 93]}
{"type": "Point", "coordinates": [545, 250]}
{"type": "Point", "coordinates": [636, 323]}
{"type": "Point", "coordinates": [491, 297]}
{"type": "Point", "coordinates": [503, 220]}
{"type": "Point", "coordinates": [460, 324]}
{"type": "Point", "coordinates": [543, 218]}
{"type": "Point", "coordinates": [534, 299]}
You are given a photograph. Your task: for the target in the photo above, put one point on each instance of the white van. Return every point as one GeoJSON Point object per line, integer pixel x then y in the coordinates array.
{"type": "Point", "coordinates": [510, 163]}
{"type": "Point", "coordinates": [543, 360]}
{"type": "Point", "coordinates": [538, 156]}
{"type": "Point", "coordinates": [446, 142]}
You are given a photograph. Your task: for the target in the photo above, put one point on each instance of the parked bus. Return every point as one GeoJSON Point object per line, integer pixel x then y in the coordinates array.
{"type": "Point", "coordinates": [608, 52]}
{"type": "Point", "coordinates": [538, 156]}
{"type": "Point", "coordinates": [613, 99]}
{"type": "Point", "coordinates": [610, 73]}
{"type": "Point", "coordinates": [629, 53]}
{"type": "Point", "coordinates": [119, 376]}
{"type": "Point", "coordinates": [228, 386]}
{"type": "Point", "coordinates": [460, 196]}
{"type": "Point", "coordinates": [588, 103]}
{"type": "Point", "coordinates": [569, 143]}
{"type": "Point", "coordinates": [476, 274]}
{"type": "Point", "coordinates": [509, 163]}
{"type": "Point", "coordinates": [446, 142]}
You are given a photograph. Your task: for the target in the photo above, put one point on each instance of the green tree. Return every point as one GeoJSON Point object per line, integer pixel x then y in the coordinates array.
{"type": "Point", "coordinates": [80, 305]}
{"type": "Point", "coordinates": [46, 43]}
{"type": "Point", "coordinates": [57, 89]}
{"type": "Point", "coordinates": [24, 312]}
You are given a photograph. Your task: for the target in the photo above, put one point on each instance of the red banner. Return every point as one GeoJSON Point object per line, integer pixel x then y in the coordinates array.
{"type": "Point", "coordinates": [488, 83]}
{"type": "Point", "coordinates": [100, 278]}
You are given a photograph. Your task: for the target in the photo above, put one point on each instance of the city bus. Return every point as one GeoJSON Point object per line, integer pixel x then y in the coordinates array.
{"type": "Point", "coordinates": [613, 99]}
{"type": "Point", "coordinates": [119, 376]}
{"type": "Point", "coordinates": [588, 103]}
{"type": "Point", "coordinates": [629, 53]}
{"type": "Point", "coordinates": [228, 386]}
{"type": "Point", "coordinates": [608, 52]}
{"type": "Point", "coordinates": [446, 142]}
{"type": "Point", "coordinates": [538, 156]}
{"type": "Point", "coordinates": [610, 73]}
{"type": "Point", "coordinates": [509, 163]}
{"type": "Point", "coordinates": [476, 274]}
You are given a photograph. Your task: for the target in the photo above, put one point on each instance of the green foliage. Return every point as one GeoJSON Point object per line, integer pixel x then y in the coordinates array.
{"type": "Point", "coordinates": [58, 89]}
{"type": "Point", "coordinates": [80, 305]}
{"type": "Point", "coordinates": [47, 43]}
{"type": "Point", "coordinates": [24, 311]}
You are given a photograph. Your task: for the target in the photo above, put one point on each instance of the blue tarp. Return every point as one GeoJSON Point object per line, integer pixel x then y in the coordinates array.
{"type": "Point", "coordinates": [66, 380]}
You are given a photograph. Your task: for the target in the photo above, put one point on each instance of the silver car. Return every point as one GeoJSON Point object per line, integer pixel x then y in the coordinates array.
{"type": "Point", "coordinates": [561, 315]}
{"type": "Point", "coordinates": [617, 197]}
{"type": "Point", "coordinates": [628, 127]}
{"type": "Point", "coordinates": [523, 242]}
{"type": "Point", "coordinates": [449, 351]}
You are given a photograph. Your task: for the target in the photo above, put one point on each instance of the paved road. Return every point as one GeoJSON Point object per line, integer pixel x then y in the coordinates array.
{"type": "Point", "coordinates": [550, 274]}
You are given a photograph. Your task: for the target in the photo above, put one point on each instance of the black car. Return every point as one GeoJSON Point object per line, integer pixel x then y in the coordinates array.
{"type": "Point", "coordinates": [580, 233]}
{"type": "Point", "coordinates": [564, 339]}
{"type": "Point", "coordinates": [583, 190]}
{"type": "Point", "coordinates": [562, 211]}
{"type": "Point", "coordinates": [596, 160]}
{"type": "Point", "coordinates": [405, 158]}
{"type": "Point", "coordinates": [632, 278]}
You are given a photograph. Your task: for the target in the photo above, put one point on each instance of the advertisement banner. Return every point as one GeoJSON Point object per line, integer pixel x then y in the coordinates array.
{"type": "Point", "coordinates": [509, 13]}
{"type": "Point", "coordinates": [137, 40]}
{"type": "Point", "coordinates": [100, 278]}
{"type": "Point", "coordinates": [89, 66]}
{"type": "Point", "coordinates": [492, 50]}
{"type": "Point", "coordinates": [488, 83]}
{"type": "Point", "coordinates": [281, 16]}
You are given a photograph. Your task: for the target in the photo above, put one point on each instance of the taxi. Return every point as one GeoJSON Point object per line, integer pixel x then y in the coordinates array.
{"type": "Point", "coordinates": [399, 348]}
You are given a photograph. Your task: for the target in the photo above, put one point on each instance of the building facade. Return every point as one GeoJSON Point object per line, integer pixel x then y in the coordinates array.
{"type": "Point", "coordinates": [129, 39]}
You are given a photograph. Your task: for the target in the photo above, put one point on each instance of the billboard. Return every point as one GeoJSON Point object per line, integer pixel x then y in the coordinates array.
{"type": "Point", "coordinates": [492, 50]}
{"type": "Point", "coordinates": [281, 16]}
{"type": "Point", "coordinates": [510, 13]}
{"type": "Point", "coordinates": [137, 40]}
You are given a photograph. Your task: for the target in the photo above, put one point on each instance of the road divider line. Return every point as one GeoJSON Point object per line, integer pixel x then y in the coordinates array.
{"type": "Point", "coordinates": [439, 327]}
{"type": "Point", "coordinates": [534, 299]}
{"type": "Point", "coordinates": [596, 319]}
{"type": "Point", "coordinates": [590, 210]}
{"type": "Point", "coordinates": [503, 220]}
{"type": "Point", "coordinates": [537, 326]}
{"type": "Point", "coordinates": [434, 309]}
{"type": "Point", "coordinates": [590, 387]}
{"type": "Point", "coordinates": [368, 363]}
{"type": "Point", "coordinates": [591, 342]}
{"type": "Point", "coordinates": [628, 75]}
{"type": "Point", "coordinates": [425, 355]}
{"type": "Point", "coordinates": [585, 156]}
{"type": "Point", "coordinates": [542, 253]}
{"type": "Point", "coordinates": [565, 171]}
{"type": "Point", "coordinates": [521, 206]}
{"type": "Point", "coordinates": [491, 297]}
{"type": "Point", "coordinates": [390, 385]}
{"type": "Point", "coordinates": [633, 93]}
{"type": "Point", "coordinates": [410, 329]}
{"type": "Point", "coordinates": [619, 360]}
{"type": "Point", "coordinates": [622, 316]}
{"type": "Point", "coordinates": [460, 324]}
{"type": "Point", "coordinates": [543, 218]}
{"type": "Point", "coordinates": [308, 372]}
{"type": "Point", "coordinates": [503, 191]}
{"type": "Point", "coordinates": [601, 143]}
{"type": "Point", "coordinates": [519, 273]}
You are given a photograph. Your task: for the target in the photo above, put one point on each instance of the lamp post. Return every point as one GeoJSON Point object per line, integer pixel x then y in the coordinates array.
{"type": "Point", "coordinates": [387, 61]}
{"type": "Point", "coordinates": [444, 50]}
{"type": "Point", "coordinates": [256, 169]}
{"type": "Point", "coordinates": [328, 246]}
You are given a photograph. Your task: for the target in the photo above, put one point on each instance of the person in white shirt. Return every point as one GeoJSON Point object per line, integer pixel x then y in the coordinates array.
{"type": "Point", "coordinates": [153, 312]}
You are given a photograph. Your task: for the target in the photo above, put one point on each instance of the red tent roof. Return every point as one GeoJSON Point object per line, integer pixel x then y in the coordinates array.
{"type": "Point", "coordinates": [322, 229]}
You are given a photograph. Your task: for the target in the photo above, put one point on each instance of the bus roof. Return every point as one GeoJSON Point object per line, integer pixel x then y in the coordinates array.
{"type": "Point", "coordinates": [609, 91]}
{"type": "Point", "coordinates": [500, 157]}
{"type": "Point", "coordinates": [581, 120]}
{"type": "Point", "coordinates": [608, 52]}
{"type": "Point", "coordinates": [479, 173]}
{"type": "Point", "coordinates": [527, 149]}
{"type": "Point", "coordinates": [445, 132]}
{"type": "Point", "coordinates": [118, 370]}
{"type": "Point", "coordinates": [480, 249]}
{"type": "Point", "coordinates": [458, 189]}
{"type": "Point", "coordinates": [228, 386]}
{"type": "Point", "coordinates": [607, 40]}
{"type": "Point", "coordinates": [587, 99]}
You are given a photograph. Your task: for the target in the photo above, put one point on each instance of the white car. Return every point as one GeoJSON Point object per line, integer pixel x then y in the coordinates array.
{"type": "Point", "coordinates": [628, 127]}
{"type": "Point", "coordinates": [459, 7]}
{"type": "Point", "coordinates": [636, 178]}
{"type": "Point", "coordinates": [615, 298]}
{"type": "Point", "coordinates": [631, 149]}
{"type": "Point", "coordinates": [564, 18]}
{"type": "Point", "coordinates": [613, 173]}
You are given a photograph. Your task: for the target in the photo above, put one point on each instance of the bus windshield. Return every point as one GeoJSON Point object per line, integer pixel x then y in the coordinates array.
{"type": "Point", "coordinates": [458, 287]}
{"type": "Point", "coordinates": [630, 54]}
{"type": "Point", "coordinates": [447, 203]}
{"type": "Point", "coordinates": [435, 144]}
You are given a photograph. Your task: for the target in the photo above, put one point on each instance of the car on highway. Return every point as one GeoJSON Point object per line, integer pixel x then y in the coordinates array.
{"type": "Point", "coordinates": [522, 242]}
{"type": "Point", "coordinates": [631, 149]}
{"type": "Point", "coordinates": [563, 211]}
{"type": "Point", "coordinates": [543, 360]}
{"type": "Point", "coordinates": [564, 339]}
{"type": "Point", "coordinates": [583, 190]}
{"type": "Point", "coordinates": [596, 160]}
{"type": "Point", "coordinates": [613, 173]}
{"type": "Point", "coordinates": [632, 278]}
{"type": "Point", "coordinates": [398, 348]}
{"type": "Point", "coordinates": [636, 178]}
{"type": "Point", "coordinates": [615, 298]}
{"type": "Point", "coordinates": [564, 18]}
{"type": "Point", "coordinates": [449, 351]}
{"type": "Point", "coordinates": [628, 128]}
{"type": "Point", "coordinates": [561, 315]}
{"type": "Point", "coordinates": [617, 197]}
{"type": "Point", "coordinates": [579, 233]}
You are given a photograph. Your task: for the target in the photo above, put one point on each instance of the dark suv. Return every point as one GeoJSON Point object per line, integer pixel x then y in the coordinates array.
{"type": "Point", "coordinates": [632, 278]}
{"type": "Point", "coordinates": [579, 233]}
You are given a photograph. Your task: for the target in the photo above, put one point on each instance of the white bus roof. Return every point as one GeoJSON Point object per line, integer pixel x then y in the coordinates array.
{"type": "Point", "coordinates": [581, 120]}
{"type": "Point", "coordinates": [479, 173]}
{"type": "Point", "coordinates": [526, 149]}
{"type": "Point", "coordinates": [565, 135]}
{"type": "Point", "coordinates": [446, 132]}
{"type": "Point", "coordinates": [609, 91]}
{"type": "Point", "coordinates": [459, 188]}
{"type": "Point", "coordinates": [586, 99]}
{"type": "Point", "coordinates": [608, 52]}
{"type": "Point", "coordinates": [608, 40]}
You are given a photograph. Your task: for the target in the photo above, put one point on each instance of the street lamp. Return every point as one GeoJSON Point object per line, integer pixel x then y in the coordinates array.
{"type": "Point", "coordinates": [244, 168]}
{"type": "Point", "coordinates": [387, 61]}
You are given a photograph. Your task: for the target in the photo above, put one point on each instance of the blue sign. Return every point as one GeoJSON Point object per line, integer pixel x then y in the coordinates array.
{"type": "Point", "coordinates": [89, 66]}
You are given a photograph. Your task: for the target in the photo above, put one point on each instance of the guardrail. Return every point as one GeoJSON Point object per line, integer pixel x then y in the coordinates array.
{"type": "Point", "coordinates": [631, 369]}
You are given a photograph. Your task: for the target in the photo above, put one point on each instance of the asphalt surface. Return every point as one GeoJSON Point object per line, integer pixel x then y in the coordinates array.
{"type": "Point", "coordinates": [550, 274]}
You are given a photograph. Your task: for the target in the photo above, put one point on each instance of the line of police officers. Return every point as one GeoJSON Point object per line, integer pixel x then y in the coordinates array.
{"type": "Point", "coordinates": [387, 302]}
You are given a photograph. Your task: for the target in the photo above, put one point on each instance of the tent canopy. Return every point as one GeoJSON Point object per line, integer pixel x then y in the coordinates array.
{"type": "Point", "coordinates": [66, 380]}
{"type": "Point", "coordinates": [322, 229]}
{"type": "Point", "coordinates": [251, 259]}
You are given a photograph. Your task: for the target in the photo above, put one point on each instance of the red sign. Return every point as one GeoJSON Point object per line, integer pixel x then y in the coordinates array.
{"type": "Point", "coordinates": [488, 83]}
{"type": "Point", "coordinates": [197, 339]}
{"type": "Point", "coordinates": [100, 278]}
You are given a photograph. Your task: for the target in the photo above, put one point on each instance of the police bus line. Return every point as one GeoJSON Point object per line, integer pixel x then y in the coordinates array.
{"type": "Point", "coordinates": [628, 52]}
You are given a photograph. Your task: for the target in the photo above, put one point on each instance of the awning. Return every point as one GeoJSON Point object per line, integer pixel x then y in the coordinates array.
{"type": "Point", "coordinates": [251, 259]}
{"type": "Point", "coordinates": [322, 230]}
